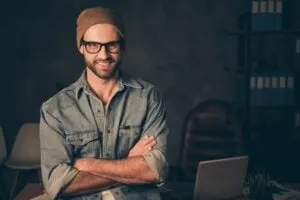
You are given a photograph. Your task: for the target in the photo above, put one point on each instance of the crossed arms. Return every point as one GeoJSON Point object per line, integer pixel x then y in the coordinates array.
{"type": "Point", "coordinates": [63, 175]}
{"type": "Point", "coordinates": [102, 174]}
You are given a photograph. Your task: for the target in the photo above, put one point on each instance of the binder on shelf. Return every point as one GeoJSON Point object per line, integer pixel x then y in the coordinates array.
{"type": "Point", "coordinates": [259, 91]}
{"type": "Point", "coordinates": [253, 89]}
{"type": "Point", "coordinates": [278, 15]}
{"type": "Point", "coordinates": [297, 71]}
{"type": "Point", "coordinates": [266, 90]}
{"type": "Point", "coordinates": [297, 119]}
{"type": "Point", "coordinates": [273, 90]}
{"type": "Point", "coordinates": [298, 46]}
{"type": "Point", "coordinates": [282, 90]}
{"type": "Point", "coordinates": [263, 15]}
{"type": "Point", "coordinates": [270, 15]}
{"type": "Point", "coordinates": [290, 90]}
{"type": "Point", "coordinates": [255, 21]}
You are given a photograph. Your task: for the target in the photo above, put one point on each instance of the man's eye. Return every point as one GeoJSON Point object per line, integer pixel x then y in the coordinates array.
{"type": "Point", "coordinates": [113, 45]}
{"type": "Point", "coordinates": [92, 44]}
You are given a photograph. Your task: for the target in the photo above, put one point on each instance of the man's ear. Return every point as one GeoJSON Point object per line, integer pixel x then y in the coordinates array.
{"type": "Point", "coordinates": [81, 49]}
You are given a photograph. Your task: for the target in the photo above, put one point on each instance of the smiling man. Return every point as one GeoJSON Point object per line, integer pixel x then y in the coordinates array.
{"type": "Point", "coordinates": [104, 136]}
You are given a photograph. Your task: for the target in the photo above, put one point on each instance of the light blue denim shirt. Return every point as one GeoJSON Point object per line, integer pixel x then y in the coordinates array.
{"type": "Point", "coordinates": [75, 124]}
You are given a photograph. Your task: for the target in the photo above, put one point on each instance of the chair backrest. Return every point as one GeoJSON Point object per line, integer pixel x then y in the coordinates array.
{"type": "Point", "coordinates": [3, 150]}
{"type": "Point", "coordinates": [26, 149]}
{"type": "Point", "coordinates": [211, 131]}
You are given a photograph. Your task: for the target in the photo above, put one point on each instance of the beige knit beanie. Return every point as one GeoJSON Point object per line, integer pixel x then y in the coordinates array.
{"type": "Point", "coordinates": [98, 15]}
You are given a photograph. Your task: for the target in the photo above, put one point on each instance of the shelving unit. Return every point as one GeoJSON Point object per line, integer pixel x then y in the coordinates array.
{"type": "Point", "coordinates": [268, 82]}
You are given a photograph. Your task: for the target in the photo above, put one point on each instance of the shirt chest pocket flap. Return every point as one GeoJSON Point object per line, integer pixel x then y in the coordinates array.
{"type": "Point", "coordinates": [128, 137]}
{"type": "Point", "coordinates": [83, 141]}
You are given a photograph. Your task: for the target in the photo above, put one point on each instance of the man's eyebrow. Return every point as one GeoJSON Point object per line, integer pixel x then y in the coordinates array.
{"type": "Point", "coordinates": [91, 41]}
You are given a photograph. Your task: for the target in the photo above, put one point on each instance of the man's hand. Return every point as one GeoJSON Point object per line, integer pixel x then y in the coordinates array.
{"type": "Point", "coordinates": [82, 164]}
{"type": "Point", "coordinates": [143, 146]}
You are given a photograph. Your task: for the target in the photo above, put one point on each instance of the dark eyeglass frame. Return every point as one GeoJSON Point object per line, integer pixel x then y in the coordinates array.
{"type": "Point", "coordinates": [119, 42]}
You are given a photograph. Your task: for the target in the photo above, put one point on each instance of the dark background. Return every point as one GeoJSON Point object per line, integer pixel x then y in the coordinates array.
{"type": "Point", "coordinates": [181, 46]}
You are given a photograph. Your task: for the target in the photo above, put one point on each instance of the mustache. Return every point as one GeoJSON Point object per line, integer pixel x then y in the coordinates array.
{"type": "Point", "coordinates": [108, 60]}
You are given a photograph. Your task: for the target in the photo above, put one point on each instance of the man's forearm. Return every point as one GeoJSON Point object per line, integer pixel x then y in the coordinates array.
{"type": "Point", "coordinates": [122, 180]}
{"type": "Point", "coordinates": [129, 171]}
{"type": "Point", "coordinates": [85, 182]}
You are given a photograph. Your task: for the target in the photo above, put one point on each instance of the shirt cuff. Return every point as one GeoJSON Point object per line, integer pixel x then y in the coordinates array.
{"type": "Point", "coordinates": [158, 164]}
{"type": "Point", "coordinates": [61, 176]}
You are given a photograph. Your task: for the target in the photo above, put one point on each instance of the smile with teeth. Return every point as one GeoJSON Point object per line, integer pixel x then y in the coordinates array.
{"type": "Point", "coordinates": [103, 65]}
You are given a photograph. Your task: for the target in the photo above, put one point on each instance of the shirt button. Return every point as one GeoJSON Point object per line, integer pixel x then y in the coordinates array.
{"type": "Point", "coordinates": [108, 131]}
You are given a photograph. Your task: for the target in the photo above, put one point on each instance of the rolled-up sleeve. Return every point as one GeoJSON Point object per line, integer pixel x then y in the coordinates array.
{"type": "Point", "coordinates": [156, 125]}
{"type": "Point", "coordinates": [56, 154]}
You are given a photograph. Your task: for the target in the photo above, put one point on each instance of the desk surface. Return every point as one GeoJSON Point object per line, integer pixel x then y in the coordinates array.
{"type": "Point", "coordinates": [182, 191]}
{"type": "Point", "coordinates": [185, 190]}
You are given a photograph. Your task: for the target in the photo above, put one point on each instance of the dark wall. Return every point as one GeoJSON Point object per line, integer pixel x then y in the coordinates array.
{"type": "Point", "coordinates": [178, 45]}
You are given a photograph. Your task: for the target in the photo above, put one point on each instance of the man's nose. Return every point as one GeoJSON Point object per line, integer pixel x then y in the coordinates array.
{"type": "Point", "coordinates": [103, 54]}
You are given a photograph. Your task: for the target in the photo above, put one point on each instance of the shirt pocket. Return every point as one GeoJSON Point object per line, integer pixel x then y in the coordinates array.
{"type": "Point", "coordinates": [127, 138]}
{"type": "Point", "coordinates": [85, 143]}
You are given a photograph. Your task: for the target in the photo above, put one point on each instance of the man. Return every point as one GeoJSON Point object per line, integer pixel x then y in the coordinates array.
{"type": "Point", "coordinates": [104, 136]}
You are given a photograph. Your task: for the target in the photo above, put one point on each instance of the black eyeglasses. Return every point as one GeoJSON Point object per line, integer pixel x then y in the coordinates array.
{"type": "Point", "coordinates": [95, 47]}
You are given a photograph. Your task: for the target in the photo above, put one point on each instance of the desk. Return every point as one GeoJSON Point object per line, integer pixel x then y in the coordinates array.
{"type": "Point", "coordinates": [182, 191]}
{"type": "Point", "coordinates": [185, 190]}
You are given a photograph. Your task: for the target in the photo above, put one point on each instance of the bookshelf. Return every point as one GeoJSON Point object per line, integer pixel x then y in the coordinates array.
{"type": "Point", "coordinates": [267, 78]}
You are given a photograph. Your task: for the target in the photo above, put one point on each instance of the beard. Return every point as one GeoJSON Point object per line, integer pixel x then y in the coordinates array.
{"type": "Point", "coordinates": [107, 73]}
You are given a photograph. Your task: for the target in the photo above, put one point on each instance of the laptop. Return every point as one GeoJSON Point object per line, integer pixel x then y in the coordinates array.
{"type": "Point", "coordinates": [221, 178]}
{"type": "Point", "coordinates": [215, 179]}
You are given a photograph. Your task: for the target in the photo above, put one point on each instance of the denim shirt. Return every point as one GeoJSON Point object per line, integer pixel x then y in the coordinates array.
{"type": "Point", "coordinates": [75, 124]}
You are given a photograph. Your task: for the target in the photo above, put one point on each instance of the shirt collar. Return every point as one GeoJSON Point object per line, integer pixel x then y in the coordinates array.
{"type": "Point", "coordinates": [125, 80]}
